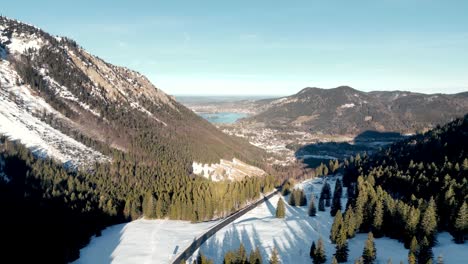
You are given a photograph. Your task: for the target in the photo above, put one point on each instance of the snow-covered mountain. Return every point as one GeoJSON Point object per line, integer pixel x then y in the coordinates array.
{"type": "Point", "coordinates": [66, 103]}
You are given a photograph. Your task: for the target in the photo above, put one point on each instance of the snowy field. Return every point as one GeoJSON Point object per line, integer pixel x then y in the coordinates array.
{"type": "Point", "coordinates": [142, 241]}
{"type": "Point", "coordinates": [155, 241]}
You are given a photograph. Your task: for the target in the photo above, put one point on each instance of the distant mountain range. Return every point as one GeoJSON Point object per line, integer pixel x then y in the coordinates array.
{"type": "Point", "coordinates": [344, 110]}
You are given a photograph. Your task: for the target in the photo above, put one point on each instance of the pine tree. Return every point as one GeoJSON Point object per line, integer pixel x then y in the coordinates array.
{"type": "Point", "coordinates": [465, 164]}
{"type": "Point", "coordinates": [413, 251]}
{"type": "Point", "coordinates": [377, 222]}
{"type": "Point", "coordinates": [336, 227]}
{"type": "Point", "coordinates": [127, 209]}
{"type": "Point", "coordinates": [341, 253]}
{"type": "Point", "coordinates": [292, 198]}
{"type": "Point", "coordinates": [425, 252]}
{"type": "Point", "coordinates": [321, 205]}
{"type": "Point", "coordinates": [274, 259]}
{"type": "Point", "coordinates": [255, 256]}
{"type": "Point", "coordinates": [370, 253]}
{"type": "Point", "coordinates": [303, 200]}
{"type": "Point", "coordinates": [241, 254]}
{"type": "Point", "coordinates": [229, 257]}
{"type": "Point", "coordinates": [312, 250]}
{"type": "Point", "coordinates": [461, 224]}
{"type": "Point", "coordinates": [319, 256]}
{"type": "Point", "coordinates": [350, 222]}
{"type": "Point", "coordinates": [429, 222]}
{"type": "Point", "coordinates": [280, 209]}
{"type": "Point", "coordinates": [336, 204]}
{"type": "Point", "coordinates": [411, 224]}
{"type": "Point", "coordinates": [148, 206]}
{"type": "Point", "coordinates": [312, 209]}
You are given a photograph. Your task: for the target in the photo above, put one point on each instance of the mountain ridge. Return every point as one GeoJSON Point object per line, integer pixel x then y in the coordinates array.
{"type": "Point", "coordinates": [345, 110]}
{"type": "Point", "coordinates": [103, 106]}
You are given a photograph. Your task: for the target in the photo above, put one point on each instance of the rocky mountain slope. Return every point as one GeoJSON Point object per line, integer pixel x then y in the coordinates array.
{"type": "Point", "coordinates": [344, 110]}
{"type": "Point", "coordinates": [63, 102]}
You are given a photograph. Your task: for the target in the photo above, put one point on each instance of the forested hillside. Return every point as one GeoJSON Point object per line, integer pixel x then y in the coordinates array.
{"type": "Point", "coordinates": [411, 190]}
{"type": "Point", "coordinates": [53, 212]}
{"type": "Point", "coordinates": [106, 107]}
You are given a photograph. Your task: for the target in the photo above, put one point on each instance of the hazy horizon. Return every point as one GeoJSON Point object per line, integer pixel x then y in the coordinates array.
{"type": "Point", "coordinates": [264, 47]}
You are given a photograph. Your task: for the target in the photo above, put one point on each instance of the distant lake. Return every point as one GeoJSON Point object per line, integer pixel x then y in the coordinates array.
{"type": "Point", "coordinates": [222, 117]}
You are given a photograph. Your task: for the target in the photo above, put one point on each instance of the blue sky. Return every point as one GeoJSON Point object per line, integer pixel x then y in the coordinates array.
{"type": "Point", "coordinates": [269, 47]}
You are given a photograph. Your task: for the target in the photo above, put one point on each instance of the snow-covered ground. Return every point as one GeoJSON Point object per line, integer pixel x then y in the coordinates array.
{"type": "Point", "coordinates": [155, 241]}
{"type": "Point", "coordinates": [142, 241]}
{"type": "Point", "coordinates": [19, 108]}
{"type": "Point", "coordinates": [293, 235]}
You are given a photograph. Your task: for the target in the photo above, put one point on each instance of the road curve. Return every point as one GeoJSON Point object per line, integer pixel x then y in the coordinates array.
{"type": "Point", "coordinates": [189, 250]}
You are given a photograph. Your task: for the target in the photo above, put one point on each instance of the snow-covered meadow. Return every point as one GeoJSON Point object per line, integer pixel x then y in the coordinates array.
{"type": "Point", "coordinates": [142, 241]}
{"type": "Point", "coordinates": [155, 241]}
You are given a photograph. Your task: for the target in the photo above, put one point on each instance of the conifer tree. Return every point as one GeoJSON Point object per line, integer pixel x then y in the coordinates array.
{"type": "Point", "coordinates": [292, 198]}
{"type": "Point", "coordinates": [312, 250]}
{"type": "Point", "coordinates": [148, 206]}
{"type": "Point", "coordinates": [341, 253]}
{"type": "Point", "coordinates": [336, 227]}
{"type": "Point", "coordinates": [461, 224]}
{"type": "Point", "coordinates": [321, 205]}
{"type": "Point", "coordinates": [429, 222]}
{"type": "Point", "coordinates": [241, 254]}
{"type": "Point", "coordinates": [280, 209]}
{"type": "Point", "coordinates": [413, 251]}
{"type": "Point", "coordinates": [312, 210]}
{"type": "Point", "coordinates": [369, 253]}
{"type": "Point", "coordinates": [411, 224]}
{"type": "Point", "coordinates": [336, 204]}
{"type": "Point", "coordinates": [425, 252]}
{"type": "Point", "coordinates": [326, 194]}
{"type": "Point", "coordinates": [319, 256]}
{"type": "Point", "coordinates": [229, 257]}
{"type": "Point", "coordinates": [303, 200]}
{"type": "Point", "coordinates": [255, 256]}
{"type": "Point", "coordinates": [350, 222]}
{"type": "Point", "coordinates": [465, 164]}
{"type": "Point", "coordinates": [378, 218]}
{"type": "Point", "coordinates": [274, 259]}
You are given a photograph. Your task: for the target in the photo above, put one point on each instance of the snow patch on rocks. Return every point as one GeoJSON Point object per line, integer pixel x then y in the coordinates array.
{"type": "Point", "coordinates": [350, 105]}
{"type": "Point", "coordinates": [19, 111]}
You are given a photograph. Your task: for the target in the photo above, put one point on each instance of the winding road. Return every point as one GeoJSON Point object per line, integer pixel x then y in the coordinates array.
{"type": "Point", "coordinates": [189, 250]}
